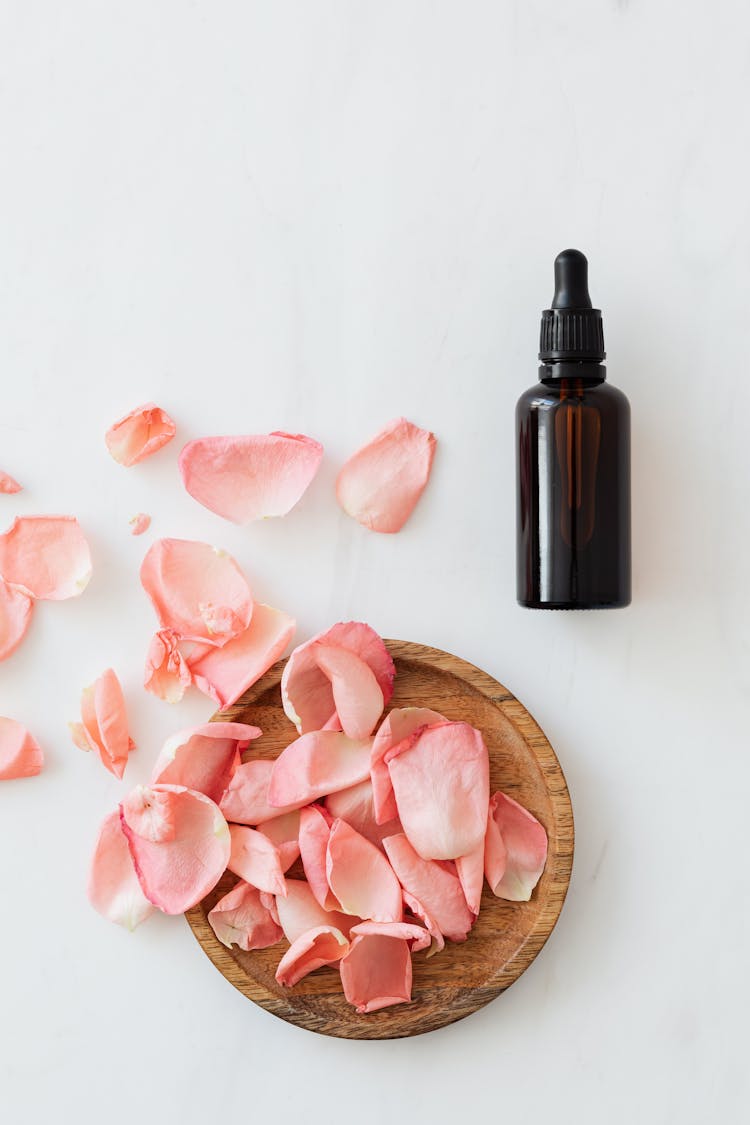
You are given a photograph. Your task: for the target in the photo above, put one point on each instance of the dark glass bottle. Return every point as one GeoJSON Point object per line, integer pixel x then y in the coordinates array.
{"type": "Point", "coordinates": [573, 458]}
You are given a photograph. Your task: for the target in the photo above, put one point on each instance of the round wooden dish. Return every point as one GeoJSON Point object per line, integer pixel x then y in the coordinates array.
{"type": "Point", "coordinates": [507, 936]}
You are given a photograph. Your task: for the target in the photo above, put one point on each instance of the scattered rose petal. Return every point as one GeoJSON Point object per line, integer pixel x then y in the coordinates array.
{"type": "Point", "coordinates": [283, 832]}
{"type": "Point", "coordinates": [417, 936]}
{"type": "Point", "coordinates": [203, 758]}
{"type": "Point", "coordinates": [306, 690]}
{"type": "Point", "coordinates": [250, 477]}
{"type": "Point", "coordinates": [300, 912]}
{"type": "Point", "coordinates": [376, 972]}
{"type": "Point", "coordinates": [470, 871]}
{"type": "Point", "coordinates": [196, 590]}
{"type": "Point", "coordinates": [178, 871]}
{"type": "Point", "coordinates": [139, 523]}
{"type": "Point", "coordinates": [15, 617]}
{"type": "Point", "coordinates": [435, 888]}
{"type": "Point", "coordinates": [47, 556]}
{"type": "Point", "coordinates": [167, 673]}
{"type": "Point", "coordinates": [440, 777]}
{"type": "Point", "coordinates": [246, 799]}
{"type": "Point", "coordinates": [361, 877]}
{"type": "Point", "coordinates": [240, 918]}
{"type": "Point", "coordinates": [356, 806]}
{"type": "Point", "coordinates": [316, 764]}
{"type": "Point", "coordinates": [399, 724]}
{"type": "Point", "coordinates": [104, 723]}
{"type": "Point", "coordinates": [314, 833]}
{"type": "Point", "coordinates": [322, 946]}
{"type": "Point", "coordinates": [8, 485]}
{"type": "Point", "coordinates": [256, 860]}
{"type": "Point", "coordinates": [150, 813]}
{"type": "Point", "coordinates": [139, 434]}
{"type": "Point", "coordinates": [381, 483]}
{"type": "Point", "coordinates": [515, 849]}
{"type": "Point", "coordinates": [357, 697]}
{"type": "Point", "coordinates": [20, 753]}
{"type": "Point", "coordinates": [113, 887]}
{"type": "Point", "coordinates": [224, 674]}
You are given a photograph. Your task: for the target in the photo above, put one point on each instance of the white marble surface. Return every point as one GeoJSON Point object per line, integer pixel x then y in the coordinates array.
{"type": "Point", "coordinates": [316, 216]}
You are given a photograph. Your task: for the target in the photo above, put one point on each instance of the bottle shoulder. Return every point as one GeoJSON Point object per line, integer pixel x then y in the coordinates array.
{"type": "Point", "coordinates": [562, 392]}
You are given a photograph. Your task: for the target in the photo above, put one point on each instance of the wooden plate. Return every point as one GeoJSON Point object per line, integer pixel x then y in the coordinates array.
{"type": "Point", "coordinates": [507, 936]}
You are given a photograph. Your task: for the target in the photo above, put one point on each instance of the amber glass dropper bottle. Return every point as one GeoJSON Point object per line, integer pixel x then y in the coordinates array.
{"type": "Point", "coordinates": [573, 461]}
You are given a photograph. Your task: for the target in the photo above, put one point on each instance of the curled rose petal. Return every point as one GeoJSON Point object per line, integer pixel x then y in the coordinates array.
{"type": "Point", "coordinates": [306, 690]}
{"type": "Point", "coordinates": [470, 871]}
{"type": "Point", "coordinates": [515, 849]}
{"type": "Point", "coordinates": [226, 673]}
{"type": "Point", "coordinates": [300, 912]}
{"type": "Point", "coordinates": [20, 753]}
{"type": "Point", "coordinates": [196, 590]}
{"type": "Point", "coordinates": [203, 758]}
{"type": "Point", "coordinates": [356, 693]}
{"type": "Point", "coordinates": [179, 869]}
{"type": "Point", "coordinates": [415, 906]}
{"type": "Point", "coordinates": [315, 764]}
{"type": "Point", "coordinates": [283, 832]}
{"type": "Point", "coordinates": [356, 806]}
{"type": "Point", "coordinates": [381, 483]}
{"type": "Point", "coordinates": [399, 724]}
{"type": "Point", "coordinates": [16, 607]}
{"type": "Point", "coordinates": [150, 814]}
{"type": "Point", "coordinates": [113, 887]}
{"type": "Point", "coordinates": [8, 485]}
{"type": "Point", "coordinates": [376, 972]}
{"type": "Point", "coordinates": [314, 833]}
{"type": "Point", "coordinates": [240, 918]}
{"type": "Point", "coordinates": [139, 523]}
{"type": "Point", "coordinates": [246, 799]}
{"type": "Point", "coordinates": [312, 950]}
{"type": "Point", "coordinates": [104, 723]}
{"type": "Point", "coordinates": [432, 886]}
{"type": "Point", "coordinates": [441, 782]}
{"type": "Point", "coordinates": [167, 673]}
{"type": "Point", "coordinates": [252, 476]}
{"type": "Point", "coordinates": [361, 877]}
{"type": "Point", "coordinates": [256, 860]}
{"type": "Point", "coordinates": [47, 556]}
{"type": "Point", "coordinates": [139, 434]}
{"type": "Point", "coordinates": [417, 936]}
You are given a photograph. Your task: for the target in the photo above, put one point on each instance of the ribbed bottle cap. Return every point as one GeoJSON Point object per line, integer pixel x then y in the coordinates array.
{"type": "Point", "coordinates": [571, 328]}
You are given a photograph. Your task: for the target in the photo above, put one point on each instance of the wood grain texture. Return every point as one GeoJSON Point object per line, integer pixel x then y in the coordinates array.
{"type": "Point", "coordinates": [507, 936]}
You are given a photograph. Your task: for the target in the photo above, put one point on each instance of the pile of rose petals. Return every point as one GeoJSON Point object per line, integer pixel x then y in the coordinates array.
{"type": "Point", "coordinates": [387, 824]}
{"type": "Point", "coordinates": [211, 632]}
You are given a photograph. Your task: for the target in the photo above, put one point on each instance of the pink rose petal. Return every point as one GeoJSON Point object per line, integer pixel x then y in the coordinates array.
{"type": "Point", "coordinates": [226, 673]}
{"type": "Point", "coordinates": [177, 871]}
{"type": "Point", "coordinates": [246, 799]}
{"type": "Point", "coordinates": [240, 918]}
{"type": "Point", "coordinates": [113, 887]}
{"type": "Point", "coordinates": [167, 673]}
{"type": "Point", "coordinates": [356, 693]}
{"type": "Point", "coordinates": [104, 723]}
{"type": "Point", "coordinates": [15, 617]}
{"type": "Point", "coordinates": [376, 972]}
{"type": "Point", "coordinates": [20, 753]}
{"type": "Point", "coordinates": [361, 877]}
{"type": "Point", "coordinates": [315, 764]}
{"type": "Point", "coordinates": [8, 485]}
{"type": "Point", "coordinates": [47, 556]}
{"type": "Point", "coordinates": [196, 590]}
{"type": "Point", "coordinates": [306, 690]}
{"type": "Point", "coordinates": [515, 849]}
{"type": "Point", "coordinates": [314, 834]}
{"type": "Point", "coordinates": [432, 886]}
{"type": "Point", "coordinates": [322, 946]}
{"type": "Point", "coordinates": [419, 911]}
{"type": "Point", "coordinates": [441, 782]}
{"type": "Point", "coordinates": [250, 477]}
{"type": "Point", "coordinates": [139, 523]}
{"type": "Point", "coordinates": [470, 871]}
{"type": "Point", "coordinates": [381, 483]}
{"type": "Point", "coordinates": [203, 758]}
{"type": "Point", "coordinates": [356, 806]}
{"type": "Point", "coordinates": [300, 912]}
{"type": "Point", "coordinates": [139, 434]}
{"type": "Point", "coordinates": [256, 860]}
{"type": "Point", "coordinates": [399, 724]}
{"type": "Point", "coordinates": [417, 936]}
{"type": "Point", "coordinates": [283, 832]}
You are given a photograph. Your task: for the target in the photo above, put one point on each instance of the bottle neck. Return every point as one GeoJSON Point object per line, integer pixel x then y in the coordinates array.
{"type": "Point", "coordinates": [592, 372]}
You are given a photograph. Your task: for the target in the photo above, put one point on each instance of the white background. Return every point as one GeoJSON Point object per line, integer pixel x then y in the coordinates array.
{"type": "Point", "coordinates": [316, 216]}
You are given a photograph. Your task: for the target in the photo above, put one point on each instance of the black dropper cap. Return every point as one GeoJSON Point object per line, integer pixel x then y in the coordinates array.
{"type": "Point", "coordinates": [572, 330]}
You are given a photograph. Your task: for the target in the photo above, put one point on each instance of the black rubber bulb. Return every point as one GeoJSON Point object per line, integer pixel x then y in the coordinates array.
{"type": "Point", "coordinates": [571, 281]}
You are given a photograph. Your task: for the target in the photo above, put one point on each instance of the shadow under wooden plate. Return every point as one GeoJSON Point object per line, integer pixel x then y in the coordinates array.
{"type": "Point", "coordinates": [507, 936]}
